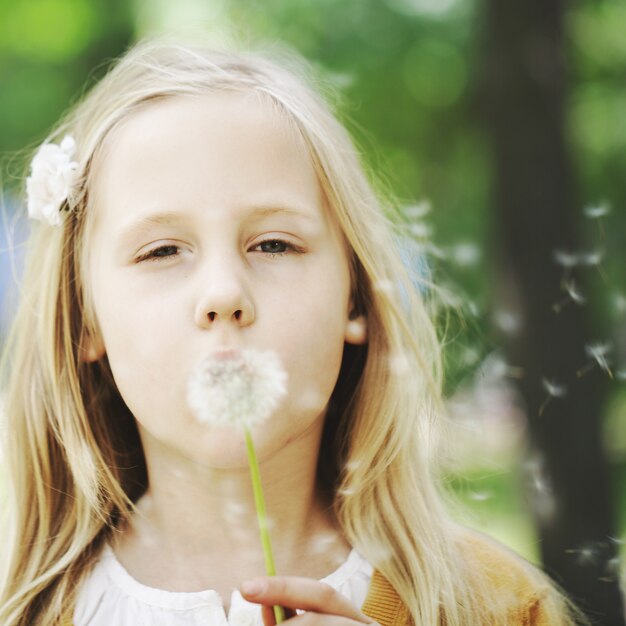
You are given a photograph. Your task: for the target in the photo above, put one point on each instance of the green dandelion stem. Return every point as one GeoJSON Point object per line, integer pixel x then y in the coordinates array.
{"type": "Point", "coordinates": [259, 501]}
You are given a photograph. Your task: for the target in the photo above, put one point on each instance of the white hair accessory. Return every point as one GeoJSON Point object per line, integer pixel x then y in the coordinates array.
{"type": "Point", "coordinates": [52, 175]}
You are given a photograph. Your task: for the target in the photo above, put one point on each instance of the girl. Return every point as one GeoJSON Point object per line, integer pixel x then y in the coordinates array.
{"type": "Point", "coordinates": [200, 201]}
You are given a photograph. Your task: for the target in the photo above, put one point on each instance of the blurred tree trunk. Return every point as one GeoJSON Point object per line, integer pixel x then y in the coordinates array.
{"type": "Point", "coordinates": [536, 214]}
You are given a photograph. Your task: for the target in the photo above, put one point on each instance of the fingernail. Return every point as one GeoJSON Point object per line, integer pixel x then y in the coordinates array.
{"type": "Point", "coordinates": [253, 587]}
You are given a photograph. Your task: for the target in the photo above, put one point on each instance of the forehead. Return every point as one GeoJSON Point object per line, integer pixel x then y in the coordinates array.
{"type": "Point", "coordinates": [222, 149]}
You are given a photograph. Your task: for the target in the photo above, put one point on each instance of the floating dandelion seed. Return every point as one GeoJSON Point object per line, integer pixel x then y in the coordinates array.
{"type": "Point", "coordinates": [573, 295]}
{"type": "Point", "coordinates": [385, 286]}
{"type": "Point", "coordinates": [479, 496]}
{"type": "Point", "coordinates": [241, 388]}
{"type": "Point", "coordinates": [420, 230]}
{"type": "Point", "coordinates": [496, 367]}
{"type": "Point", "coordinates": [566, 259]}
{"type": "Point", "coordinates": [619, 302]}
{"type": "Point", "coordinates": [353, 466]}
{"type": "Point", "coordinates": [470, 356]}
{"type": "Point", "coordinates": [592, 258]}
{"type": "Point", "coordinates": [596, 211]}
{"type": "Point", "coordinates": [585, 555]}
{"type": "Point", "coordinates": [554, 391]}
{"type": "Point", "coordinates": [465, 254]}
{"type": "Point", "coordinates": [507, 321]}
{"type": "Point", "coordinates": [429, 248]}
{"type": "Point", "coordinates": [598, 352]}
{"type": "Point", "coordinates": [417, 211]}
{"type": "Point", "coordinates": [612, 570]}
{"type": "Point", "coordinates": [399, 363]}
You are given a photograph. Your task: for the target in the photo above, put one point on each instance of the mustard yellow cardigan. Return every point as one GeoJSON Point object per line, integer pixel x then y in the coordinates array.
{"type": "Point", "coordinates": [506, 572]}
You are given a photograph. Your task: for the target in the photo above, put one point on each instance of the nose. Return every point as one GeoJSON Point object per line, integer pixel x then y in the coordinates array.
{"type": "Point", "coordinates": [223, 299]}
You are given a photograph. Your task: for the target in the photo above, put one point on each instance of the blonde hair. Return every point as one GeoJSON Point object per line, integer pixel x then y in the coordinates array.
{"type": "Point", "coordinates": [73, 452]}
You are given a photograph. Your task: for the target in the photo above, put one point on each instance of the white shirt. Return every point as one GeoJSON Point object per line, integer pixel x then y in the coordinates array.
{"type": "Point", "coordinates": [111, 597]}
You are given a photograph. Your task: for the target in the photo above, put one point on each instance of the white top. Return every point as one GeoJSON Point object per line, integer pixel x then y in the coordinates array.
{"type": "Point", "coordinates": [111, 597]}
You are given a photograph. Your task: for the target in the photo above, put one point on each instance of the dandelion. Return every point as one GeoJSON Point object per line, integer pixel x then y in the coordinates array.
{"type": "Point", "coordinates": [554, 390]}
{"type": "Point", "coordinates": [241, 388]}
{"type": "Point", "coordinates": [597, 352]}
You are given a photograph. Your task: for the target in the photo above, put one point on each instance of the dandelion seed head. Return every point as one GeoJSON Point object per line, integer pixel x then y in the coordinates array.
{"type": "Point", "coordinates": [596, 211]}
{"type": "Point", "coordinates": [553, 388]}
{"type": "Point", "coordinates": [240, 388]}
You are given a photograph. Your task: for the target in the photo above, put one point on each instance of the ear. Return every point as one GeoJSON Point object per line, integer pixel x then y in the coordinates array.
{"type": "Point", "coordinates": [91, 347]}
{"type": "Point", "coordinates": [356, 330]}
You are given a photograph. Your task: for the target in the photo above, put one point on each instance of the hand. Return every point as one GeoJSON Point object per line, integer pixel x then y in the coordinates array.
{"type": "Point", "coordinates": [323, 605]}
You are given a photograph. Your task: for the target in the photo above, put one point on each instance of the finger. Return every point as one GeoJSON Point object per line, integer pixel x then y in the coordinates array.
{"type": "Point", "coordinates": [301, 593]}
{"type": "Point", "coordinates": [269, 619]}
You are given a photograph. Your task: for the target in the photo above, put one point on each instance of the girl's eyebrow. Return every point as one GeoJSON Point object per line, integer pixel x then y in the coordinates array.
{"type": "Point", "coordinates": [166, 218]}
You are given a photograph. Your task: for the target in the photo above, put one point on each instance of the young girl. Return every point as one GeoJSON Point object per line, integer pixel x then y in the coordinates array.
{"type": "Point", "coordinates": [201, 201]}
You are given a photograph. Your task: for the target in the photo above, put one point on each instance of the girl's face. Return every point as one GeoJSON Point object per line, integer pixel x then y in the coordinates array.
{"type": "Point", "coordinates": [210, 232]}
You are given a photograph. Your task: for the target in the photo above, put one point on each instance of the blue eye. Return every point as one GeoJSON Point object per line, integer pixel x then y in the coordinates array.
{"type": "Point", "coordinates": [160, 253]}
{"type": "Point", "coordinates": [275, 246]}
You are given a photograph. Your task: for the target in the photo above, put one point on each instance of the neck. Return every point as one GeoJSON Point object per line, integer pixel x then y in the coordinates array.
{"type": "Point", "coordinates": [198, 521]}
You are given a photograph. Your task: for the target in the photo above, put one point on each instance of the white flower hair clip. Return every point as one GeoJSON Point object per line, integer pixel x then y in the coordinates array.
{"type": "Point", "coordinates": [52, 175]}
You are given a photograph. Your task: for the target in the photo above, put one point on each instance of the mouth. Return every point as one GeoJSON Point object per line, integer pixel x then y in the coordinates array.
{"type": "Point", "coordinates": [226, 354]}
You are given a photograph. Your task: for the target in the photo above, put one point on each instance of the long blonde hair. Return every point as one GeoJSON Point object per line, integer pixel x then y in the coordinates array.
{"type": "Point", "coordinates": [72, 450]}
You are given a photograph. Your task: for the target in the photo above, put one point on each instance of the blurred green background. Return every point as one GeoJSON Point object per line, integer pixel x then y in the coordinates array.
{"type": "Point", "coordinates": [409, 72]}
